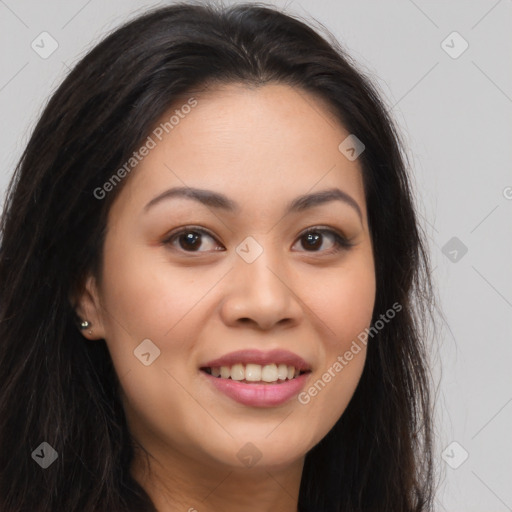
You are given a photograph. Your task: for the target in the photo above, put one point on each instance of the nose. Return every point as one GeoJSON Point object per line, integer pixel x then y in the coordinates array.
{"type": "Point", "coordinates": [261, 294]}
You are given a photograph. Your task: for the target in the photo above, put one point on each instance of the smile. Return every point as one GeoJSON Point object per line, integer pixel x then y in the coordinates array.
{"type": "Point", "coordinates": [256, 378]}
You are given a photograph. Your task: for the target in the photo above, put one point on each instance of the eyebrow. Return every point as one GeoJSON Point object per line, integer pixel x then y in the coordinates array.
{"type": "Point", "coordinates": [220, 201]}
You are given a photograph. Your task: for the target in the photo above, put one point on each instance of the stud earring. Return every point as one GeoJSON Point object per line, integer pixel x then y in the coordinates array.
{"type": "Point", "coordinates": [85, 324]}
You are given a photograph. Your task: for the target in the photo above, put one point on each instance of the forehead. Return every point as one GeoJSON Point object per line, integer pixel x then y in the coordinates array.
{"type": "Point", "coordinates": [258, 145]}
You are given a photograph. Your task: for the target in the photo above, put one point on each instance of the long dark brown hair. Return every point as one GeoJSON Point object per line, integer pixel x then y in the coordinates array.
{"type": "Point", "coordinates": [56, 387]}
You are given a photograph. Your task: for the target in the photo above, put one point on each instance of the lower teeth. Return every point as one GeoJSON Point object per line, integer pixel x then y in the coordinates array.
{"type": "Point", "coordinates": [244, 381]}
{"type": "Point", "coordinates": [258, 381]}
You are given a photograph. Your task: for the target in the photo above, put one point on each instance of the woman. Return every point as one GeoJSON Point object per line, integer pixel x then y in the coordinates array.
{"type": "Point", "coordinates": [214, 281]}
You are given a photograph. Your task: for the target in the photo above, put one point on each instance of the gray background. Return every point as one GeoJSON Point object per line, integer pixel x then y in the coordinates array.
{"type": "Point", "coordinates": [456, 117]}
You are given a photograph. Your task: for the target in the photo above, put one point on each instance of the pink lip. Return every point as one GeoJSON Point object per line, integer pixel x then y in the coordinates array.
{"type": "Point", "coordinates": [258, 395]}
{"type": "Point", "coordinates": [277, 356]}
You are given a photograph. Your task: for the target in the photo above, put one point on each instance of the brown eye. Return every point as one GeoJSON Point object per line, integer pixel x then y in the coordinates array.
{"type": "Point", "coordinates": [314, 240]}
{"type": "Point", "coordinates": [192, 240]}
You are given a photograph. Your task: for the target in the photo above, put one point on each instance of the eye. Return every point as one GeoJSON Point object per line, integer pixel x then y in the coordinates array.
{"type": "Point", "coordinates": [313, 240]}
{"type": "Point", "coordinates": [191, 239]}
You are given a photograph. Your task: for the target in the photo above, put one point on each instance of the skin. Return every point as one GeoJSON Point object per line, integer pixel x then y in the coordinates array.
{"type": "Point", "coordinates": [262, 147]}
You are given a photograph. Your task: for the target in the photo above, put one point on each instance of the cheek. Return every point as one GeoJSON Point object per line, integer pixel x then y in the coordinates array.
{"type": "Point", "coordinates": [146, 299]}
{"type": "Point", "coordinates": [146, 295]}
{"type": "Point", "coordinates": [343, 299]}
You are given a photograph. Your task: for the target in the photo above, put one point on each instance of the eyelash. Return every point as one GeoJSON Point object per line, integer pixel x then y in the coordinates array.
{"type": "Point", "coordinates": [340, 242]}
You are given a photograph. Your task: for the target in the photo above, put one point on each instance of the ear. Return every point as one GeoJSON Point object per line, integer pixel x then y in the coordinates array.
{"type": "Point", "coordinates": [88, 307]}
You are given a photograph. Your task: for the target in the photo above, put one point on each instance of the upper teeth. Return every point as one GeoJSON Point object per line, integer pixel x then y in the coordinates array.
{"type": "Point", "coordinates": [256, 372]}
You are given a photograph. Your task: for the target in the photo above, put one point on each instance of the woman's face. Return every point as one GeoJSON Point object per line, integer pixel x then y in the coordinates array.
{"type": "Point", "coordinates": [188, 280]}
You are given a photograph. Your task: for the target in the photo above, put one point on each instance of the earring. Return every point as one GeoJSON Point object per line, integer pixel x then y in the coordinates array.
{"type": "Point", "coordinates": [85, 324]}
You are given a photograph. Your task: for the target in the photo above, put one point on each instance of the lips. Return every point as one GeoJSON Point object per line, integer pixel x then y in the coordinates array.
{"type": "Point", "coordinates": [257, 395]}
{"type": "Point", "coordinates": [237, 375]}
